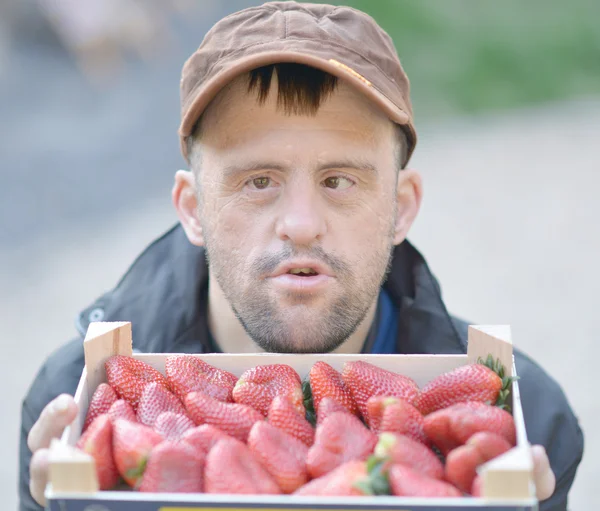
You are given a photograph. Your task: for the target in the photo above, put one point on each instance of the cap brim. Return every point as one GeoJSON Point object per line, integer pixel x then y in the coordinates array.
{"type": "Point", "coordinates": [200, 99]}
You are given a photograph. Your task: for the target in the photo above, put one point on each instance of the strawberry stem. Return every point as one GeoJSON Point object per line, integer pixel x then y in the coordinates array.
{"type": "Point", "coordinates": [499, 369]}
{"type": "Point", "coordinates": [378, 476]}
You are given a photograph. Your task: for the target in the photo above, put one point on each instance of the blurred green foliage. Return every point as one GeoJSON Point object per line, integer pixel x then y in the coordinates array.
{"type": "Point", "coordinates": [465, 56]}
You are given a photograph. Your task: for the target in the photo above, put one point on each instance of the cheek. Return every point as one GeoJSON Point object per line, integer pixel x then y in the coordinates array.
{"type": "Point", "coordinates": [235, 230]}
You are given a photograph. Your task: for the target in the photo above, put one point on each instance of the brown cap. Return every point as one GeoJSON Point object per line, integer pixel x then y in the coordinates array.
{"type": "Point", "coordinates": [342, 41]}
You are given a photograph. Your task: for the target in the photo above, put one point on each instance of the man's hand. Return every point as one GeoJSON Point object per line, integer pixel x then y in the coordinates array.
{"type": "Point", "coordinates": [55, 417]}
{"type": "Point", "coordinates": [545, 481]}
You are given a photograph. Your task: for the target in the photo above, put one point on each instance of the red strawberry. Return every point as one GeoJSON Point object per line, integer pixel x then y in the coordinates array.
{"type": "Point", "coordinates": [97, 441]}
{"type": "Point", "coordinates": [328, 407]}
{"type": "Point", "coordinates": [476, 490]}
{"type": "Point", "coordinates": [366, 380]}
{"type": "Point", "coordinates": [406, 482]}
{"type": "Point", "coordinates": [281, 454]}
{"type": "Point", "coordinates": [396, 416]}
{"type": "Point", "coordinates": [284, 416]}
{"type": "Point", "coordinates": [174, 467]}
{"type": "Point", "coordinates": [188, 373]}
{"type": "Point", "coordinates": [203, 437]}
{"type": "Point", "coordinates": [473, 382]}
{"type": "Point", "coordinates": [121, 409]}
{"type": "Point", "coordinates": [132, 443]}
{"type": "Point", "coordinates": [339, 438]}
{"type": "Point", "coordinates": [400, 449]}
{"type": "Point", "coordinates": [102, 399]}
{"type": "Point", "coordinates": [349, 479]}
{"type": "Point", "coordinates": [325, 381]}
{"type": "Point", "coordinates": [172, 425]}
{"type": "Point", "coordinates": [232, 418]}
{"type": "Point", "coordinates": [453, 426]}
{"type": "Point", "coordinates": [232, 468]}
{"type": "Point", "coordinates": [128, 377]}
{"type": "Point", "coordinates": [155, 400]}
{"type": "Point", "coordinates": [258, 386]}
{"type": "Point", "coordinates": [462, 462]}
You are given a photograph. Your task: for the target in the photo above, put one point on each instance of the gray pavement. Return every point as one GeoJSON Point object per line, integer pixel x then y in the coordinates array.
{"type": "Point", "coordinates": [508, 224]}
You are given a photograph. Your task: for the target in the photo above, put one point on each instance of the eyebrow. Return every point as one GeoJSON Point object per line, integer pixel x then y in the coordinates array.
{"type": "Point", "coordinates": [345, 163]}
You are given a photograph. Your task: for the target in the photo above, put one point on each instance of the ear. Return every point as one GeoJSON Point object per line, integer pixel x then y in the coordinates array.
{"type": "Point", "coordinates": [185, 200]}
{"type": "Point", "coordinates": [409, 193]}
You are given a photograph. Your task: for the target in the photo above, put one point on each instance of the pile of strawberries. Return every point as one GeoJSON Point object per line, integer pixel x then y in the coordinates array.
{"type": "Point", "coordinates": [364, 431]}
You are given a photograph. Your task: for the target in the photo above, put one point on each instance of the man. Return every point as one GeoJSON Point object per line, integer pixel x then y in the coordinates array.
{"type": "Point", "coordinates": [297, 125]}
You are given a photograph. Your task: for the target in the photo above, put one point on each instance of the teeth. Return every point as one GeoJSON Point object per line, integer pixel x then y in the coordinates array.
{"type": "Point", "coordinates": [297, 271]}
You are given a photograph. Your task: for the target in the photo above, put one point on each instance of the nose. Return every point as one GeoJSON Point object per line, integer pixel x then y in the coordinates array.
{"type": "Point", "coordinates": [300, 218]}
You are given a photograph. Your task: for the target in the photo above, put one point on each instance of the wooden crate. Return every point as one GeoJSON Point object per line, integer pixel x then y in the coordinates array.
{"type": "Point", "coordinates": [73, 486]}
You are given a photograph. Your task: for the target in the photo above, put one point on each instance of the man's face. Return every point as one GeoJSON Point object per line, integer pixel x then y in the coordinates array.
{"type": "Point", "coordinates": [298, 214]}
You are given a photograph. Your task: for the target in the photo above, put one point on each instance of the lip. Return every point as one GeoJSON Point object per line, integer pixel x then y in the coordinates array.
{"type": "Point", "coordinates": [296, 284]}
{"type": "Point", "coordinates": [301, 263]}
{"type": "Point", "coordinates": [288, 282]}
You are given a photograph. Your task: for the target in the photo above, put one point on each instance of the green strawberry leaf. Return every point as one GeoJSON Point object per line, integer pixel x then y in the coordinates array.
{"type": "Point", "coordinates": [311, 415]}
{"type": "Point", "coordinates": [499, 369]}
{"type": "Point", "coordinates": [364, 486]}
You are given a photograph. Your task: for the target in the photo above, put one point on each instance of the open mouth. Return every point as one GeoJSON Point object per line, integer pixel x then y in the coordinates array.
{"type": "Point", "coordinates": [303, 272]}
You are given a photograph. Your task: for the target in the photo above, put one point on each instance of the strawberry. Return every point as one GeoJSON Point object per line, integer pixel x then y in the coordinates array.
{"type": "Point", "coordinates": [188, 373]}
{"type": "Point", "coordinates": [155, 400]}
{"type": "Point", "coordinates": [132, 443]}
{"type": "Point", "coordinates": [462, 462]}
{"type": "Point", "coordinates": [283, 455]}
{"type": "Point", "coordinates": [339, 438]}
{"type": "Point", "coordinates": [366, 380]}
{"type": "Point", "coordinates": [325, 381]}
{"type": "Point", "coordinates": [232, 418]}
{"type": "Point", "coordinates": [172, 425]}
{"type": "Point", "coordinates": [174, 467]}
{"type": "Point", "coordinates": [284, 416]}
{"type": "Point", "coordinates": [121, 409]}
{"type": "Point", "coordinates": [231, 467]}
{"type": "Point", "coordinates": [257, 387]}
{"type": "Point", "coordinates": [97, 441]}
{"type": "Point", "coordinates": [349, 479]}
{"type": "Point", "coordinates": [329, 406]}
{"type": "Point", "coordinates": [453, 426]}
{"type": "Point", "coordinates": [476, 490]}
{"type": "Point", "coordinates": [400, 449]}
{"type": "Point", "coordinates": [474, 382]}
{"type": "Point", "coordinates": [128, 377]}
{"type": "Point", "coordinates": [102, 399]}
{"type": "Point", "coordinates": [406, 482]}
{"type": "Point", "coordinates": [203, 437]}
{"type": "Point", "coordinates": [396, 416]}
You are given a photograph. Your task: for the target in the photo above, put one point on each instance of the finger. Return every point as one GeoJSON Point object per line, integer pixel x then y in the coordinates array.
{"type": "Point", "coordinates": [55, 417]}
{"type": "Point", "coordinates": [545, 480]}
{"type": "Point", "coordinates": [38, 473]}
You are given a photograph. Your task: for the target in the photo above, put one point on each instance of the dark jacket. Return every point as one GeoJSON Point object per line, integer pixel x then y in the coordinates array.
{"type": "Point", "coordinates": [164, 296]}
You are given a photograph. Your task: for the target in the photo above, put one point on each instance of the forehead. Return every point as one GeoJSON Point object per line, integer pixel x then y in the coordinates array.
{"type": "Point", "coordinates": [236, 116]}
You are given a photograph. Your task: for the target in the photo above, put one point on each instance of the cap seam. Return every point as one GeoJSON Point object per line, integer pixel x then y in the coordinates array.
{"type": "Point", "coordinates": [331, 43]}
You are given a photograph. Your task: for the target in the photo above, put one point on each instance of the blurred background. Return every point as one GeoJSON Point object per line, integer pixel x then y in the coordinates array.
{"type": "Point", "coordinates": [507, 104]}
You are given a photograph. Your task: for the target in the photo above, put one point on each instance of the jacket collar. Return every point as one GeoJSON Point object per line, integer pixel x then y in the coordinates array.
{"type": "Point", "coordinates": [164, 296]}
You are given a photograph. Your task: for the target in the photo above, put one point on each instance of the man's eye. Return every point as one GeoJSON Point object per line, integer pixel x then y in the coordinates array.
{"type": "Point", "coordinates": [261, 183]}
{"type": "Point", "coordinates": [337, 183]}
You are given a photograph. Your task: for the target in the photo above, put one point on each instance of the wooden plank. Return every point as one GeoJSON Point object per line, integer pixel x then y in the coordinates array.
{"type": "Point", "coordinates": [496, 340]}
{"type": "Point", "coordinates": [102, 340]}
{"type": "Point", "coordinates": [71, 470]}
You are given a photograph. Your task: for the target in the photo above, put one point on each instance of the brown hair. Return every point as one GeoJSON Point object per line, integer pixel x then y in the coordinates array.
{"type": "Point", "coordinates": [301, 90]}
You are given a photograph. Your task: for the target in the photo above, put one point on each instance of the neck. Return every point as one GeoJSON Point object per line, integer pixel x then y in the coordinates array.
{"type": "Point", "coordinates": [231, 337]}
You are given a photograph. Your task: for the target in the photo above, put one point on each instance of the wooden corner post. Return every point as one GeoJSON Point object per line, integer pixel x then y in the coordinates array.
{"type": "Point", "coordinates": [102, 341]}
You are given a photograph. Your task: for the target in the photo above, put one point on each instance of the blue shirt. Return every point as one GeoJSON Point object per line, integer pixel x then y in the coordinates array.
{"type": "Point", "coordinates": [387, 329]}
